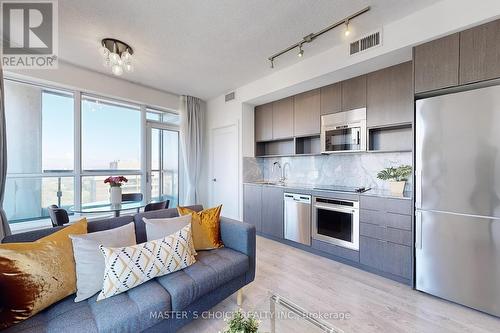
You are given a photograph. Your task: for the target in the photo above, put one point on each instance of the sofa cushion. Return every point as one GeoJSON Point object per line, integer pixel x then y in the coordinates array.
{"type": "Point", "coordinates": [212, 269]}
{"type": "Point", "coordinates": [127, 312]}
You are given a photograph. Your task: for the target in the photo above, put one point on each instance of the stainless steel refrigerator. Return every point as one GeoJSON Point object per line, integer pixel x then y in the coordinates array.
{"type": "Point", "coordinates": [458, 197]}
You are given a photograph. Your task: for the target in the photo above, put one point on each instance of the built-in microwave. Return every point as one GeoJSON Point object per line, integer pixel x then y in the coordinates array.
{"type": "Point", "coordinates": [344, 131]}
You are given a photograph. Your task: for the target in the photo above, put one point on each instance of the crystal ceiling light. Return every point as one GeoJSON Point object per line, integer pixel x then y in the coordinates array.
{"type": "Point", "coordinates": [117, 55]}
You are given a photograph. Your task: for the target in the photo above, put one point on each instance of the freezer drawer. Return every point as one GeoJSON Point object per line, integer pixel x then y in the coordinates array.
{"type": "Point", "coordinates": [297, 218]}
{"type": "Point", "coordinates": [458, 258]}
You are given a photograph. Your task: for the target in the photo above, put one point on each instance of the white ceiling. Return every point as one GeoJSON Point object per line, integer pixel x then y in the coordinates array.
{"type": "Point", "coordinates": [207, 47]}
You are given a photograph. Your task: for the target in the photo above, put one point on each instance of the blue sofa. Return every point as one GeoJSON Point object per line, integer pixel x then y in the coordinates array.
{"type": "Point", "coordinates": [163, 304]}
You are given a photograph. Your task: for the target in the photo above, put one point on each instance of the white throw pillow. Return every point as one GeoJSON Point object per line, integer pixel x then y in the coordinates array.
{"type": "Point", "coordinates": [128, 267]}
{"type": "Point", "coordinates": [88, 258]}
{"type": "Point", "coordinates": [160, 228]}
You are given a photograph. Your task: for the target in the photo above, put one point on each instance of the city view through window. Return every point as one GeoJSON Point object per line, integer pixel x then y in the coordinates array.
{"type": "Point", "coordinates": [41, 151]}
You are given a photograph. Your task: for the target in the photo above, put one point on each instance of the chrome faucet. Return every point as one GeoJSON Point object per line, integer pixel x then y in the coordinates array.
{"type": "Point", "coordinates": [277, 164]}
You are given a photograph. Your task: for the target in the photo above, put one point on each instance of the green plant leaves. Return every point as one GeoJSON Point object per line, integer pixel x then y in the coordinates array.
{"type": "Point", "coordinates": [399, 174]}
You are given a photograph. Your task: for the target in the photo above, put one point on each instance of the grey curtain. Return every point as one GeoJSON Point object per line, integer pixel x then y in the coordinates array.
{"type": "Point", "coordinates": [4, 225]}
{"type": "Point", "coordinates": [192, 112]}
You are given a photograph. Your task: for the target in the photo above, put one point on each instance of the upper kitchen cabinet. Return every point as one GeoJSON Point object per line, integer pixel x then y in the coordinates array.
{"type": "Point", "coordinates": [390, 96]}
{"type": "Point", "coordinates": [436, 64]}
{"type": "Point", "coordinates": [331, 98]}
{"type": "Point", "coordinates": [479, 53]}
{"type": "Point", "coordinates": [264, 122]}
{"type": "Point", "coordinates": [354, 93]}
{"type": "Point", "coordinates": [282, 123]}
{"type": "Point", "coordinates": [307, 113]}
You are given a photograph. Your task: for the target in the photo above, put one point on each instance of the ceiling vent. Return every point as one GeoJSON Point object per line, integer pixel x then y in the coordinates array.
{"type": "Point", "coordinates": [365, 43]}
{"type": "Point", "coordinates": [229, 97]}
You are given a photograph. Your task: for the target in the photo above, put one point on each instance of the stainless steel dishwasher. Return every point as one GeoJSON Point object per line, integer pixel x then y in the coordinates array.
{"type": "Point", "coordinates": [298, 218]}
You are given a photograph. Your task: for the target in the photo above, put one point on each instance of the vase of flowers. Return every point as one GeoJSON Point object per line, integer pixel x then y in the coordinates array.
{"type": "Point", "coordinates": [115, 189]}
{"type": "Point", "coordinates": [397, 177]}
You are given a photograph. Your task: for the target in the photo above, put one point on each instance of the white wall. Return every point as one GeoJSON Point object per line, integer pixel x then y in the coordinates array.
{"type": "Point", "coordinates": [398, 38]}
{"type": "Point", "coordinates": [72, 77]}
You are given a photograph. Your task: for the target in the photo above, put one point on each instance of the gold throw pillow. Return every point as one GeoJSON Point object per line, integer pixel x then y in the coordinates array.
{"type": "Point", "coordinates": [205, 227]}
{"type": "Point", "coordinates": [37, 274]}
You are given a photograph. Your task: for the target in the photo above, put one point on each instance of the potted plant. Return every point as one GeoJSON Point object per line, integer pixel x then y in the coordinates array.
{"type": "Point", "coordinates": [115, 188]}
{"type": "Point", "coordinates": [239, 323]}
{"type": "Point", "coordinates": [397, 177]}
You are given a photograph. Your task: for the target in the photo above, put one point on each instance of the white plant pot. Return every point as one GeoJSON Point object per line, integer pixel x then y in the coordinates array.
{"type": "Point", "coordinates": [115, 195]}
{"type": "Point", "coordinates": [397, 187]}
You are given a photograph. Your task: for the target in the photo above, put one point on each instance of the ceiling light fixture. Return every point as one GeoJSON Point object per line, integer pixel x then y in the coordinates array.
{"type": "Point", "coordinates": [117, 55]}
{"type": "Point", "coordinates": [309, 38]}
{"type": "Point", "coordinates": [347, 32]}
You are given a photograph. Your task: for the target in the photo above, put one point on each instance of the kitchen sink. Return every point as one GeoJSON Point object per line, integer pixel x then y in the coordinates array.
{"type": "Point", "coordinates": [268, 182]}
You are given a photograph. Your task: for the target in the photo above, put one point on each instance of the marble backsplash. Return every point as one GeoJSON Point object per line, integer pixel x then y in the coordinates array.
{"type": "Point", "coordinates": [336, 169]}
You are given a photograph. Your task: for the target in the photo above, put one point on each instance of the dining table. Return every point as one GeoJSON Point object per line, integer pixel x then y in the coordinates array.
{"type": "Point", "coordinates": [106, 207]}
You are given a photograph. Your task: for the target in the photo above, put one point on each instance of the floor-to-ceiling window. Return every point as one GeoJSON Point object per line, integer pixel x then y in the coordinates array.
{"type": "Point", "coordinates": [40, 136]}
{"type": "Point", "coordinates": [111, 145]}
{"type": "Point", "coordinates": [164, 155]}
{"type": "Point", "coordinates": [60, 152]}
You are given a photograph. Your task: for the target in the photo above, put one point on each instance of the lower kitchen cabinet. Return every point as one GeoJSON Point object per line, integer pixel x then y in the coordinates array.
{"type": "Point", "coordinates": [252, 205]}
{"type": "Point", "coordinates": [263, 207]}
{"type": "Point", "coordinates": [385, 256]}
{"type": "Point", "coordinates": [386, 240]}
{"type": "Point", "coordinates": [272, 211]}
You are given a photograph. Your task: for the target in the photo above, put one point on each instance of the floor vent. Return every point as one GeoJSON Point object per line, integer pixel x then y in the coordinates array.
{"type": "Point", "coordinates": [365, 43]}
{"type": "Point", "coordinates": [230, 96]}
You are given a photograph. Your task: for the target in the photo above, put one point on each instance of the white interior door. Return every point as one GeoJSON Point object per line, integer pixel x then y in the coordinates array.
{"type": "Point", "coordinates": [225, 169]}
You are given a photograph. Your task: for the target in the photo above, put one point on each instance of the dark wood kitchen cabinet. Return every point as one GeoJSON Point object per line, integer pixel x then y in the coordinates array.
{"type": "Point", "coordinates": [283, 118]}
{"type": "Point", "coordinates": [331, 98]}
{"type": "Point", "coordinates": [272, 211]}
{"type": "Point", "coordinates": [390, 96]}
{"type": "Point", "coordinates": [264, 122]}
{"type": "Point", "coordinates": [252, 205]}
{"type": "Point", "coordinates": [307, 113]}
{"type": "Point", "coordinates": [436, 64]}
{"type": "Point", "coordinates": [480, 53]}
{"type": "Point", "coordinates": [386, 240]}
{"type": "Point", "coordinates": [354, 93]}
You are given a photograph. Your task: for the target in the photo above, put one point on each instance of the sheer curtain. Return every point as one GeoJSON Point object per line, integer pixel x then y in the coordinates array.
{"type": "Point", "coordinates": [4, 225]}
{"type": "Point", "coordinates": [192, 112]}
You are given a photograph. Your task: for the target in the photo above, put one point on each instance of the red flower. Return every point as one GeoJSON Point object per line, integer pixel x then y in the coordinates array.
{"type": "Point", "coordinates": [115, 180]}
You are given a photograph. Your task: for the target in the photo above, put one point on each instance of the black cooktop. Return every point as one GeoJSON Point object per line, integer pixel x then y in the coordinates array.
{"type": "Point", "coordinates": [337, 188]}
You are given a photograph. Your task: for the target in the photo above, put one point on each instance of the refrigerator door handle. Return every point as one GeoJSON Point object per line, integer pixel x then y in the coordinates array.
{"type": "Point", "coordinates": [418, 230]}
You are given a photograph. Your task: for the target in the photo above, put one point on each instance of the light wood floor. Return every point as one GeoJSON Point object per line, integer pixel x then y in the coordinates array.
{"type": "Point", "coordinates": [318, 284]}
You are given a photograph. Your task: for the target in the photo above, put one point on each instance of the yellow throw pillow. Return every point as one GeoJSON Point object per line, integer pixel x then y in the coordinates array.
{"type": "Point", "coordinates": [35, 275]}
{"type": "Point", "coordinates": [205, 227]}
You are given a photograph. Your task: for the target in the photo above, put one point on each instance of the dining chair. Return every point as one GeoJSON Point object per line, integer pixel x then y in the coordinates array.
{"type": "Point", "coordinates": [132, 197]}
{"type": "Point", "coordinates": [58, 216]}
{"type": "Point", "coordinates": [157, 206]}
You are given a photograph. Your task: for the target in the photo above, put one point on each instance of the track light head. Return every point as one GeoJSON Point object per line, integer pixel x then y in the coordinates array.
{"type": "Point", "coordinates": [347, 31]}
{"type": "Point", "coordinates": [301, 52]}
{"type": "Point", "coordinates": [272, 62]}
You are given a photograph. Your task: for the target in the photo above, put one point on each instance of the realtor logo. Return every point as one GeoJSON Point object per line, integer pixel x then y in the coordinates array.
{"type": "Point", "coordinates": [29, 34]}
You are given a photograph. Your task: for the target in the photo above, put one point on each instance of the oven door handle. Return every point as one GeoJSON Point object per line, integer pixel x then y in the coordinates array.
{"type": "Point", "coordinates": [335, 208]}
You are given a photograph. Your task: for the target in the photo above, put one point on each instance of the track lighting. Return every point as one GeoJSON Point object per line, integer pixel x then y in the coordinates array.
{"type": "Point", "coordinates": [311, 37]}
{"type": "Point", "coordinates": [347, 32]}
{"type": "Point", "coordinates": [301, 52]}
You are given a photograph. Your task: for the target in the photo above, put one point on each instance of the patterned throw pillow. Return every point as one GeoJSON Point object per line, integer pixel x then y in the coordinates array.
{"type": "Point", "coordinates": [206, 227]}
{"type": "Point", "coordinates": [128, 267]}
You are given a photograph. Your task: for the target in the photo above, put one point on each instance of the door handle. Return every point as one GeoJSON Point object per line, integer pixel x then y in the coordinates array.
{"type": "Point", "coordinates": [214, 179]}
{"type": "Point", "coordinates": [418, 230]}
